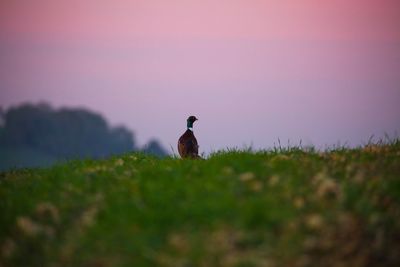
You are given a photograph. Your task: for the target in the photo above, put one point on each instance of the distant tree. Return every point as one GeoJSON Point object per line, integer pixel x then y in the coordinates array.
{"type": "Point", "coordinates": [154, 148]}
{"type": "Point", "coordinates": [2, 121]}
{"type": "Point", "coordinates": [1, 117]}
{"type": "Point", "coordinates": [120, 139]}
{"type": "Point", "coordinates": [54, 135]}
{"type": "Point", "coordinates": [65, 134]}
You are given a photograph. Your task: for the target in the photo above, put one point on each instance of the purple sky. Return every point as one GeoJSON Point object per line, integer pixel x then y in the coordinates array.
{"type": "Point", "coordinates": [252, 71]}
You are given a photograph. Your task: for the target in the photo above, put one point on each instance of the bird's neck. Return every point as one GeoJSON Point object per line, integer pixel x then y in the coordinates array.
{"type": "Point", "coordinates": [190, 125]}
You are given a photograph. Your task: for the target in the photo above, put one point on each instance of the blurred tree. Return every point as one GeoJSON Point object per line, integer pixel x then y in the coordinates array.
{"type": "Point", "coordinates": [64, 134]}
{"type": "Point", "coordinates": [154, 148]}
{"type": "Point", "coordinates": [1, 117]}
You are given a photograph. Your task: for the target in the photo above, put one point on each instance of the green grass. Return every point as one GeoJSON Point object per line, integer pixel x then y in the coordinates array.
{"type": "Point", "coordinates": [274, 208]}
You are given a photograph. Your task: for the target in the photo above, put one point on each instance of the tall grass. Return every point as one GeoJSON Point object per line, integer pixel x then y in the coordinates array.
{"type": "Point", "coordinates": [287, 206]}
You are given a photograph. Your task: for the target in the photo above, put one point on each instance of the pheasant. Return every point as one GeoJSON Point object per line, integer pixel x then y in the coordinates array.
{"type": "Point", "coordinates": [187, 144]}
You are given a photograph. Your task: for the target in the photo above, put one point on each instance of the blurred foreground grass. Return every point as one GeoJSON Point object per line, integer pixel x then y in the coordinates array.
{"type": "Point", "coordinates": [273, 208]}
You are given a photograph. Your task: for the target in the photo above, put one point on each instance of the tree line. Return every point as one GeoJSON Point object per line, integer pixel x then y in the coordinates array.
{"type": "Point", "coordinates": [62, 134]}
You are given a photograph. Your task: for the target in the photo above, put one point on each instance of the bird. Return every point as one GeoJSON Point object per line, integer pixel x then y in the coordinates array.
{"type": "Point", "coordinates": [187, 143]}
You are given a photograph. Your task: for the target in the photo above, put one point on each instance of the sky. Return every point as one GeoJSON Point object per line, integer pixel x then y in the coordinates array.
{"type": "Point", "coordinates": [252, 71]}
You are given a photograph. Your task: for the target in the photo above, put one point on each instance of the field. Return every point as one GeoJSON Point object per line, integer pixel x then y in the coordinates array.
{"type": "Point", "coordinates": [285, 207]}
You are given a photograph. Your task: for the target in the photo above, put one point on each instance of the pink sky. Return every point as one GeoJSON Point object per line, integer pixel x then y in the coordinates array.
{"type": "Point", "coordinates": [251, 71]}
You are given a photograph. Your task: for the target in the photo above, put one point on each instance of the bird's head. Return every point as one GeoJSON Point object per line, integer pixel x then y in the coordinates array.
{"type": "Point", "coordinates": [190, 121]}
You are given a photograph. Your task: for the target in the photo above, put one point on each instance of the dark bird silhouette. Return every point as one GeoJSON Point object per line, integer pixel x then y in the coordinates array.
{"type": "Point", "coordinates": [187, 144]}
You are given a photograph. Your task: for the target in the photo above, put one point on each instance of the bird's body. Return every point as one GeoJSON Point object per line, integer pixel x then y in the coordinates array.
{"type": "Point", "coordinates": [187, 143]}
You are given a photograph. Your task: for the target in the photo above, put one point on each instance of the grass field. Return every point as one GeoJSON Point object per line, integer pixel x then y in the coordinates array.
{"type": "Point", "coordinates": [286, 207]}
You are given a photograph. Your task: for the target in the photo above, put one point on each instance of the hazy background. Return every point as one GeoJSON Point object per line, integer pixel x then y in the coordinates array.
{"type": "Point", "coordinates": [251, 71]}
